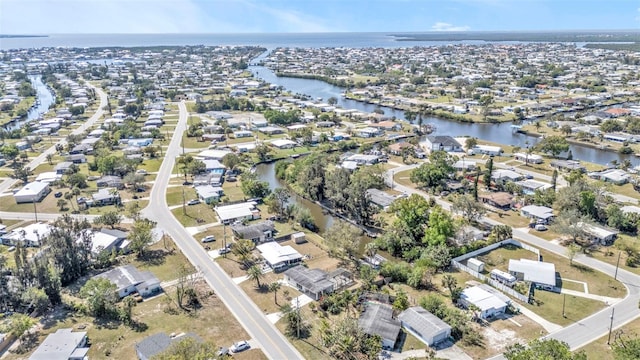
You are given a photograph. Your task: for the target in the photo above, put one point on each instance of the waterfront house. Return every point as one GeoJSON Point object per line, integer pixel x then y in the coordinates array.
{"type": "Point", "coordinates": [442, 143]}
{"type": "Point", "coordinates": [209, 194]}
{"type": "Point", "coordinates": [317, 282]}
{"type": "Point", "coordinates": [258, 233]}
{"type": "Point", "coordinates": [279, 257]}
{"type": "Point", "coordinates": [283, 144]}
{"type": "Point", "coordinates": [387, 125]}
{"type": "Point", "coordinates": [380, 198]}
{"type": "Point", "coordinates": [237, 212]}
{"type": "Point", "coordinates": [369, 132]}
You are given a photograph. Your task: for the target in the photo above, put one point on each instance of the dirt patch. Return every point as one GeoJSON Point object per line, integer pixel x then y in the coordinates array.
{"type": "Point", "coordinates": [498, 340]}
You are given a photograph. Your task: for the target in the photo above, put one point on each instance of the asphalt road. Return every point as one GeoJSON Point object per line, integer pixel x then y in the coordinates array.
{"type": "Point", "coordinates": [271, 341]}
{"type": "Point", "coordinates": [594, 326]}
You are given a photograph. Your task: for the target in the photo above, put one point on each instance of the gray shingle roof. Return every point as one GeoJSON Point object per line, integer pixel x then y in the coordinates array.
{"type": "Point", "coordinates": [157, 343]}
{"type": "Point", "coordinates": [377, 319]}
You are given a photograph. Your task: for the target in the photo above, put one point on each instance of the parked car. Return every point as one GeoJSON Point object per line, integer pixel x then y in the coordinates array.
{"type": "Point", "coordinates": [193, 202]}
{"type": "Point", "coordinates": [224, 250]}
{"type": "Point", "coordinates": [208, 238]}
{"type": "Point", "coordinates": [540, 227]}
{"type": "Point", "coordinates": [141, 171]}
{"type": "Point", "coordinates": [528, 176]}
{"type": "Point", "coordinates": [222, 351]}
{"type": "Point", "coordinates": [58, 194]}
{"type": "Point", "coordinates": [239, 346]}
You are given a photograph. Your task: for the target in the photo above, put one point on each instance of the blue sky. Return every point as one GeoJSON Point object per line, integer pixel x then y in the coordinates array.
{"type": "Point", "coordinates": [250, 16]}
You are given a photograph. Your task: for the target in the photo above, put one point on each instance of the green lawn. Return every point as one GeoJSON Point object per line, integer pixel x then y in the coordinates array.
{"type": "Point", "coordinates": [194, 212]}
{"type": "Point", "coordinates": [550, 307]}
{"type": "Point", "coordinates": [163, 260]}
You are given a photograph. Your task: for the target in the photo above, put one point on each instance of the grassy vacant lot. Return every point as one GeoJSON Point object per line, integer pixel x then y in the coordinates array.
{"type": "Point", "coordinates": [193, 213]}
{"type": "Point", "coordinates": [213, 322]}
{"type": "Point", "coordinates": [499, 258]}
{"type": "Point", "coordinates": [174, 194]}
{"type": "Point", "coordinates": [194, 143]}
{"type": "Point", "coordinates": [403, 178]}
{"type": "Point", "coordinates": [264, 298]}
{"type": "Point", "coordinates": [309, 347]}
{"type": "Point", "coordinates": [511, 218]}
{"type": "Point", "coordinates": [163, 260]}
{"type": "Point", "coordinates": [549, 306]}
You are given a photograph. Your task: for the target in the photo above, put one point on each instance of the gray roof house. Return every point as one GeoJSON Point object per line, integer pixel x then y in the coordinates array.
{"type": "Point", "coordinates": [425, 326]}
{"type": "Point", "coordinates": [63, 167]}
{"type": "Point", "coordinates": [377, 319]}
{"type": "Point", "coordinates": [317, 282]}
{"type": "Point", "coordinates": [128, 279]}
{"type": "Point", "coordinates": [258, 233]}
{"type": "Point", "coordinates": [442, 142]}
{"type": "Point", "coordinates": [380, 198]}
{"type": "Point", "coordinates": [63, 344]}
{"type": "Point", "coordinates": [158, 343]}
{"type": "Point", "coordinates": [110, 181]}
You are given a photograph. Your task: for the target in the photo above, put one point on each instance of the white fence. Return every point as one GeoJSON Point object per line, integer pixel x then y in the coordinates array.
{"type": "Point", "coordinates": [456, 263]}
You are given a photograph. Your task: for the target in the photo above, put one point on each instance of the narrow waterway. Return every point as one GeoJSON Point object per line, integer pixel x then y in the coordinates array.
{"type": "Point", "coordinates": [44, 99]}
{"type": "Point", "coordinates": [498, 133]}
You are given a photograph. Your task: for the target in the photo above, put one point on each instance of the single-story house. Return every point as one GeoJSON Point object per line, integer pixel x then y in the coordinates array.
{"type": "Point", "coordinates": [110, 181]}
{"type": "Point", "coordinates": [614, 176]}
{"type": "Point", "coordinates": [398, 148]}
{"type": "Point", "coordinates": [48, 177]}
{"type": "Point", "coordinates": [104, 196]}
{"type": "Point", "coordinates": [387, 125]}
{"type": "Point", "coordinates": [212, 154]}
{"type": "Point", "coordinates": [361, 159]}
{"type": "Point", "coordinates": [378, 319]}
{"type": "Point", "coordinates": [77, 158]}
{"type": "Point", "coordinates": [317, 282]}
{"type": "Point", "coordinates": [63, 167]}
{"type": "Point", "coordinates": [500, 200]}
{"type": "Point", "coordinates": [425, 326]}
{"type": "Point", "coordinates": [258, 233]}
{"type": "Point", "coordinates": [155, 344]}
{"type": "Point", "coordinates": [542, 274]}
{"type": "Point", "coordinates": [128, 280]}
{"type": "Point", "coordinates": [212, 178]}
{"type": "Point", "coordinates": [32, 192]}
{"type": "Point", "coordinates": [505, 175]}
{"type": "Point", "coordinates": [369, 132]}
{"type": "Point", "coordinates": [568, 165]}
{"type": "Point", "coordinates": [380, 198]}
{"type": "Point", "coordinates": [81, 149]}
{"type": "Point", "coordinates": [214, 166]}
{"type": "Point", "coordinates": [488, 304]}
{"type": "Point", "coordinates": [30, 235]}
{"type": "Point", "coordinates": [108, 240]}
{"type": "Point", "coordinates": [599, 234]}
{"type": "Point", "coordinates": [64, 344]}
{"type": "Point", "coordinates": [271, 130]}
{"type": "Point", "coordinates": [283, 144]}
{"type": "Point", "coordinates": [442, 142]}
{"type": "Point", "coordinates": [209, 194]}
{"type": "Point", "coordinates": [537, 212]}
{"type": "Point", "coordinates": [530, 186]}
{"type": "Point", "coordinates": [242, 134]}
{"type": "Point", "coordinates": [465, 164]}
{"type": "Point", "coordinates": [630, 209]}
{"type": "Point", "coordinates": [237, 212]}
{"type": "Point", "coordinates": [528, 158]}
{"type": "Point", "coordinates": [486, 150]}
{"type": "Point", "coordinates": [279, 257]}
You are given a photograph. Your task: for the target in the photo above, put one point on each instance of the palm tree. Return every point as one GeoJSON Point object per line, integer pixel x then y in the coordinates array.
{"type": "Point", "coordinates": [450, 283]}
{"type": "Point", "coordinates": [274, 287]}
{"type": "Point", "coordinates": [255, 273]}
{"type": "Point", "coordinates": [50, 159]}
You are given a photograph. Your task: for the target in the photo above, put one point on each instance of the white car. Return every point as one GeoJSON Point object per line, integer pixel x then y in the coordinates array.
{"type": "Point", "coordinates": [239, 346]}
{"type": "Point", "coordinates": [540, 227]}
{"type": "Point", "coordinates": [208, 238]}
{"type": "Point", "coordinates": [224, 250]}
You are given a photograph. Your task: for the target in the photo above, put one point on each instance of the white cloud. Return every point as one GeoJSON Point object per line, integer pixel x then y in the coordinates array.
{"type": "Point", "coordinates": [443, 26]}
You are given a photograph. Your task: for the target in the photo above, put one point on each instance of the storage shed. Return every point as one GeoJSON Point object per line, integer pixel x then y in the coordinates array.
{"type": "Point", "coordinates": [475, 265]}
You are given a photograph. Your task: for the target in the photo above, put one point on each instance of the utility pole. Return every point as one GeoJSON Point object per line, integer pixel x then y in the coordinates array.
{"type": "Point", "coordinates": [610, 326]}
{"type": "Point", "coordinates": [184, 207]}
{"type": "Point", "coordinates": [615, 277]}
{"type": "Point", "coordinates": [35, 209]}
{"type": "Point", "coordinates": [224, 239]}
{"type": "Point", "coordinates": [298, 317]}
{"type": "Point", "coordinates": [564, 300]}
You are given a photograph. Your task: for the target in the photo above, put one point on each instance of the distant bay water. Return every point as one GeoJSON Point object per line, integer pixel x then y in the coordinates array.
{"type": "Point", "coordinates": [268, 40]}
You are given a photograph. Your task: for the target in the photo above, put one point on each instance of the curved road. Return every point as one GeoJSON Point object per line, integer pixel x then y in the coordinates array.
{"type": "Point", "coordinates": [592, 327]}
{"type": "Point", "coordinates": [272, 342]}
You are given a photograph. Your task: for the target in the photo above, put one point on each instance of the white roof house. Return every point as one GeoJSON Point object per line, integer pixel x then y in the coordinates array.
{"type": "Point", "coordinates": [34, 191]}
{"type": "Point", "coordinates": [277, 255]}
{"type": "Point", "coordinates": [628, 209]}
{"type": "Point", "coordinates": [599, 234]}
{"type": "Point", "coordinates": [538, 272]}
{"type": "Point", "coordinates": [212, 154]}
{"type": "Point", "coordinates": [530, 186]}
{"type": "Point", "coordinates": [283, 144]}
{"type": "Point", "coordinates": [48, 177]}
{"type": "Point", "coordinates": [64, 344]}
{"type": "Point", "coordinates": [489, 304]}
{"type": "Point", "coordinates": [615, 176]}
{"type": "Point", "coordinates": [229, 213]}
{"type": "Point", "coordinates": [506, 175]}
{"type": "Point", "coordinates": [30, 235]}
{"type": "Point", "coordinates": [530, 158]}
{"type": "Point", "coordinates": [537, 212]}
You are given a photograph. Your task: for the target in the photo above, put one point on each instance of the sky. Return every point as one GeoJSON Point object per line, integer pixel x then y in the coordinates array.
{"type": "Point", "coordinates": [291, 16]}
